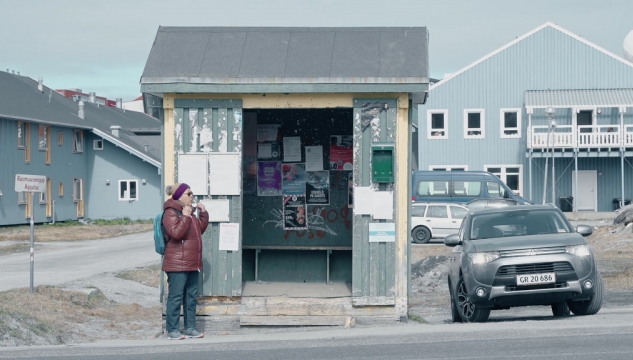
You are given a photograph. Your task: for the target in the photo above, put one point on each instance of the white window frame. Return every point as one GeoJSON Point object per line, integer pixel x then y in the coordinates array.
{"type": "Point", "coordinates": [429, 124]}
{"type": "Point", "coordinates": [482, 122]}
{"type": "Point", "coordinates": [44, 197]}
{"type": "Point", "coordinates": [97, 144]}
{"type": "Point", "coordinates": [448, 167]}
{"type": "Point", "coordinates": [21, 135]}
{"type": "Point", "coordinates": [127, 198]}
{"type": "Point", "coordinates": [21, 198]}
{"type": "Point", "coordinates": [42, 137]}
{"type": "Point", "coordinates": [77, 191]}
{"type": "Point", "coordinates": [502, 122]}
{"type": "Point", "coordinates": [503, 175]}
{"type": "Point", "coordinates": [78, 141]}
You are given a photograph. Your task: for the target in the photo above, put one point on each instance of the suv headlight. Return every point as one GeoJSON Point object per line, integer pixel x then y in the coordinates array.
{"type": "Point", "coordinates": [484, 257]}
{"type": "Point", "coordinates": [578, 250]}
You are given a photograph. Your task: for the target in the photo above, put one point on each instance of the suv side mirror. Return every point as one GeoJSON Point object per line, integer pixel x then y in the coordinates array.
{"type": "Point", "coordinates": [452, 240]}
{"type": "Point", "coordinates": [584, 230]}
{"type": "Point", "coordinates": [506, 195]}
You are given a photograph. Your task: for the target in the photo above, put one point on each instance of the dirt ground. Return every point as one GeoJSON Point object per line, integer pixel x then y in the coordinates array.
{"type": "Point", "coordinates": [55, 316]}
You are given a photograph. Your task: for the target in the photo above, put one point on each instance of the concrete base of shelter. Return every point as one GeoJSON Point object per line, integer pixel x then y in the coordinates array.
{"type": "Point", "coordinates": [292, 304]}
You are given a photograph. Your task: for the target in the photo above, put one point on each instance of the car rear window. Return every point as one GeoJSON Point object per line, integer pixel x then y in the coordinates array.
{"type": "Point", "coordinates": [418, 210]}
{"type": "Point", "coordinates": [517, 223]}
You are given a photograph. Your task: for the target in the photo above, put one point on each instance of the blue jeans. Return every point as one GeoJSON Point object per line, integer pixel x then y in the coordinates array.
{"type": "Point", "coordinates": [183, 289]}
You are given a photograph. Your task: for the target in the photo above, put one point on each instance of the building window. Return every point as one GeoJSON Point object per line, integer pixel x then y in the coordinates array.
{"type": "Point", "coordinates": [22, 198]}
{"type": "Point", "coordinates": [78, 141]}
{"type": "Point", "coordinates": [511, 175]}
{"type": "Point", "coordinates": [437, 124]}
{"type": "Point", "coordinates": [60, 139]}
{"type": "Point", "coordinates": [128, 190]}
{"type": "Point", "coordinates": [97, 144]}
{"type": "Point", "coordinates": [43, 137]}
{"type": "Point", "coordinates": [448, 167]}
{"type": "Point", "coordinates": [60, 189]}
{"type": "Point", "coordinates": [78, 185]}
{"type": "Point", "coordinates": [510, 123]}
{"type": "Point", "coordinates": [22, 135]}
{"type": "Point", "coordinates": [474, 124]}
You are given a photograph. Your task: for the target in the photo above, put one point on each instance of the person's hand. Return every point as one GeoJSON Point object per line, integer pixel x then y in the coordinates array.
{"type": "Point", "coordinates": [187, 210]}
{"type": "Point", "coordinates": [201, 207]}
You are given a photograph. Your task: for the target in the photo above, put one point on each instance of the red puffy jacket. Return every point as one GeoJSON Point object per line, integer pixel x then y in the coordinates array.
{"type": "Point", "coordinates": [183, 251]}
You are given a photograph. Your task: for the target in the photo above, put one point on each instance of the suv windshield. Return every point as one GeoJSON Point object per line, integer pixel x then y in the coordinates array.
{"type": "Point", "coordinates": [517, 223]}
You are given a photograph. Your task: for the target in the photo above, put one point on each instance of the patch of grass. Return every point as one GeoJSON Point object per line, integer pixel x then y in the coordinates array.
{"type": "Point", "coordinates": [54, 316]}
{"type": "Point", "coordinates": [13, 248]}
{"type": "Point", "coordinates": [149, 276]}
{"type": "Point", "coordinates": [120, 221]}
{"type": "Point", "coordinates": [417, 318]}
{"type": "Point", "coordinates": [75, 231]}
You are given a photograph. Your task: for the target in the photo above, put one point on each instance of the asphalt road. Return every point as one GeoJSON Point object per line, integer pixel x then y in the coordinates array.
{"type": "Point", "coordinates": [607, 335]}
{"type": "Point", "coordinates": [57, 263]}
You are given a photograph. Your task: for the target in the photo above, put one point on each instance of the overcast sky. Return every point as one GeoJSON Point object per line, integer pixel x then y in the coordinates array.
{"type": "Point", "coordinates": [102, 46]}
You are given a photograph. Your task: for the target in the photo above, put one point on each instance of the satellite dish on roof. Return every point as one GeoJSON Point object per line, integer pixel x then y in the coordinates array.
{"type": "Point", "coordinates": [628, 47]}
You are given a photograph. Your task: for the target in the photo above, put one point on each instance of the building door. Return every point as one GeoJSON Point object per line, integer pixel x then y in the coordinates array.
{"type": "Point", "coordinates": [584, 117]}
{"type": "Point", "coordinates": [586, 196]}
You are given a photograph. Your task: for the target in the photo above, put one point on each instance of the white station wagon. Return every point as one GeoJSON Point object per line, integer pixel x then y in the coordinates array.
{"type": "Point", "coordinates": [435, 220]}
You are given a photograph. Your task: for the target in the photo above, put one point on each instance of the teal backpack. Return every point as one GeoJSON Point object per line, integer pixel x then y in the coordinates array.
{"type": "Point", "coordinates": [160, 237]}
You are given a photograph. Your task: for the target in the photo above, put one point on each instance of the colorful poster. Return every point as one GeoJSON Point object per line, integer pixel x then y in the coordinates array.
{"type": "Point", "coordinates": [293, 179]}
{"type": "Point", "coordinates": [341, 152]}
{"type": "Point", "coordinates": [295, 212]}
{"type": "Point", "coordinates": [318, 187]}
{"type": "Point", "coordinates": [268, 178]}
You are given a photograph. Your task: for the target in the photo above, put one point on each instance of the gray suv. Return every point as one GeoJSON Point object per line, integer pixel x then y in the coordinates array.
{"type": "Point", "coordinates": [520, 256]}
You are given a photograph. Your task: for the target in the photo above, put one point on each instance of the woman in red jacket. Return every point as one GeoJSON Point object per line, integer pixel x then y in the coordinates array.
{"type": "Point", "coordinates": [182, 261]}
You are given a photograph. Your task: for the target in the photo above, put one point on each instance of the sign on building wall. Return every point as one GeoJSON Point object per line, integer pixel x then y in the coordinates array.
{"type": "Point", "coordinates": [30, 183]}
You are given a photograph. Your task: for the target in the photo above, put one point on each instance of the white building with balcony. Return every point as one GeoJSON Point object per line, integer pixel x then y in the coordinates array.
{"type": "Point", "coordinates": [550, 113]}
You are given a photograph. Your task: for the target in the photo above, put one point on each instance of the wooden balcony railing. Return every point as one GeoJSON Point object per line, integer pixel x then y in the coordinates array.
{"type": "Point", "coordinates": [582, 136]}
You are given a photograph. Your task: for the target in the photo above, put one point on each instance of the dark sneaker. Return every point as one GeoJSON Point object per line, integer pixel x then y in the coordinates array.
{"type": "Point", "coordinates": [175, 335]}
{"type": "Point", "coordinates": [193, 333]}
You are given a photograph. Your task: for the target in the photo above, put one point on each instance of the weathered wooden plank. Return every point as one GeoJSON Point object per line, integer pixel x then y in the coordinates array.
{"type": "Point", "coordinates": [295, 320]}
{"type": "Point", "coordinates": [208, 103]}
{"type": "Point", "coordinates": [373, 300]}
{"type": "Point", "coordinates": [264, 306]}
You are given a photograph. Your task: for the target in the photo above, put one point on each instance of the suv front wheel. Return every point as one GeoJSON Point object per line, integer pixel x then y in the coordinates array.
{"type": "Point", "coordinates": [591, 306]}
{"type": "Point", "coordinates": [467, 310]}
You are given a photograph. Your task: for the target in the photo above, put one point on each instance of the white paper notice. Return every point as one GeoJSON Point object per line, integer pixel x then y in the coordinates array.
{"type": "Point", "coordinates": [267, 132]}
{"type": "Point", "coordinates": [192, 169]}
{"type": "Point", "coordinates": [264, 151]}
{"type": "Point", "coordinates": [383, 205]}
{"type": "Point", "coordinates": [224, 173]}
{"type": "Point", "coordinates": [363, 200]}
{"type": "Point", "coordinates": [314, 158]}
{"type": "Point", "coordinates": [219, 209]}
{"type": "Point", "coordinates": [292, 148]}
{"type": "Point", "coordinates": [229, 237]}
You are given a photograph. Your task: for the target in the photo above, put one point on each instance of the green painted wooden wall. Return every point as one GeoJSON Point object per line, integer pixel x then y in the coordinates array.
{"type": "Point", "coordinates": [213, 126]}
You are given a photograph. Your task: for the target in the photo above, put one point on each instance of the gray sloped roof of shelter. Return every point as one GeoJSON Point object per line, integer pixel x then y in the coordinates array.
{"type": "Point", "coordinates": [20, 99]}
{"type": "Point", "coordinates": [234, 59]}
{"type": "Point", "coordinates": [569, 98]}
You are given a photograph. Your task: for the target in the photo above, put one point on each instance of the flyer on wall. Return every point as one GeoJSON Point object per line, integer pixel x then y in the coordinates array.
{"type": "Point", "coordinates": [341, 152]}
{"type": "Point", "coordinates": [295, 212]}
{"type": "Point", "coordinates": [318, 187]}
{"type": "Point", "coordinates": [293, 179]}
{"type": "Point", "coordinates": [268, 178]}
